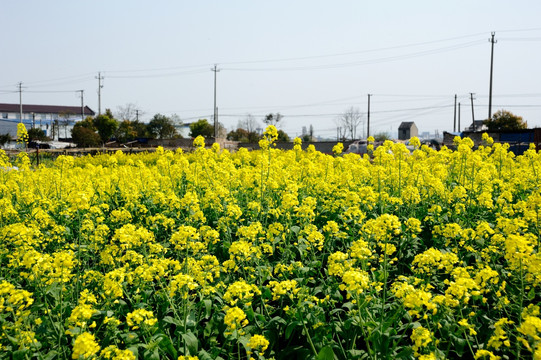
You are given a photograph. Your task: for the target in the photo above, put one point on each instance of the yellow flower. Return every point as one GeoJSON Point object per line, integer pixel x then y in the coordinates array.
{"type": "Point", "coordinates": [338, 148]}
{"type": "Point", "coordinates": [140, 317]}
{"type": "Point", "coordinates": [85, 346]}
{"type": "Point", "coordinates": [235, 319]}
{"type": "Point", "coordinates": [199, 142]}
{"type": "Point", "coordinates": [257, 343]}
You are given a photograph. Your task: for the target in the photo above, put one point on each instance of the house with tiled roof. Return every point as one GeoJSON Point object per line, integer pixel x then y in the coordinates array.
{"type": "Point", "coordinates": [55, 120]}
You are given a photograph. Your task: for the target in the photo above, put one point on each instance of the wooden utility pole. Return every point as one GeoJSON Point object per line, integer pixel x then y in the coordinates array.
{"type": "Point", "coordinates": [20, 102]}
{"type": "Point", "coordinates": [100, 86]}
{"type": "Point", "coordinates": [454, 119]}
{"type": "Point", "coordinates": [368, 118]}
{"type": "Point", "coordinates": [215, 69]}
{"type": "Point", "coordinates": [492, 41]}
{"type": "Point", "coordinates": [82, 104]}
{"type": "Point", "coordinates": [472, 113]}
{"type": "Point", "coordinates": [458, 117]}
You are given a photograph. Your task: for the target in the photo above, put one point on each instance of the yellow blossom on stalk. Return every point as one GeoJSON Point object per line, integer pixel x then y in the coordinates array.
{"type": "Point", "coordinates": [339, 263]}
{"type": "Point", "coordinates": [271, 133]}
{"type": "Point", "coordinates": [281, 288]}
{"type": "Point", "coordinates": [22, 134]}
{"type": "Point", "coordinates": [183, 357]}
{"type": "Point", "coordinates": [241, 291]}
{"type": "Point", "coordinates": [140, 317]}
{"type": "Point", "coordinates": [433, 260]}
{"type": "Point", "coordinates": [85, 346]}
{"type": "Point", "coordinates": [484, 354]}
{"type": "Point", "coordinates": [235, 320]}
{"type": "Point", "coordinates": [355, 281]}
{"type": "Point", "coordinates": [314, 239]}
{"type": "Point", "coordinates": [415, 142]}
{"type": "Point", "coordinates": [487, 139]}
{"type": "Point", "coordinates": [421, 337]}
{"type": "Point", "coordinates": [464, 323]}
{"type": "Point", "coordinates": [199, 142]}
{"type": "Point", "coordinates": [112, 352]}
{"type": "Point", "coordinates": [338, 148]}
{"type": "Point", "coordinates": [297, 142]}
{"type": "Point", "coordinates": [257, 343]}
{"type": "Point", "coordinates": [414, 299]}
{"type": "Point", "coordinates": [500, 335]}
{"type": "Point", "coordinates": [182, 284]}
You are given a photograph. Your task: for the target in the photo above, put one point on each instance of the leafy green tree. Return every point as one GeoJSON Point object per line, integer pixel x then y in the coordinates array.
{"type": "Point", "coordinates": [282, 136]}
{"type": "Point", "coordinates": [106, 125]}
{"type": "Point", "coordinates": [125, 131]}
{"type": "Point", "coordinates": [140, 128]}
{"type": "Point", "coordinates": [4, 139]}
{"type": "Point", "coordinates": [161, 127]}
{"type": "Point", "coordinates": [243, 135]}
{"type": "Point", "coordinates": [84, 136]}
{"type": "Point", "coordinates": [201, 127]}
{"type": "Point", "coordinates": [382, 136]}
{"type": "Point", "coordinates": [503, 120]}
{"type": "Point", "coordinates": [37, 134]}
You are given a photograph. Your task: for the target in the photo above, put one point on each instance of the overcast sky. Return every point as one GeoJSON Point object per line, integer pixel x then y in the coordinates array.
{"type": "Point", "coordinates": [308, 60]}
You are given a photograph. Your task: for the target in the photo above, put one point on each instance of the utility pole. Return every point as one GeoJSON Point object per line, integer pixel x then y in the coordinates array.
{"type": "Point", "coordinates": [368, 118]}
{"type": "Point", "coordinates": [454, 119]}
{"type": "Point", "coordinates": [492, 42]}
{"type": "Point", "coordinates": [100, 86]}
{"type": "Point", "coordinates": [20, 101]}
{"type": "Point", "coordinates": [472, 113]}
{"type": "Point", "coordinates": [458, 117]}
{"type": "Point", "coordinates": [215, 69]}
{"type": "Point", "coordinates": [136, 115]}
{"type": "Point", "coordinates": [82, 104]}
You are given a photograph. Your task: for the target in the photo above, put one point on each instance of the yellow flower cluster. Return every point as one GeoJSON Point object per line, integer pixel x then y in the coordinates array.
{"type": "Point", "coordinates": [173, 252]}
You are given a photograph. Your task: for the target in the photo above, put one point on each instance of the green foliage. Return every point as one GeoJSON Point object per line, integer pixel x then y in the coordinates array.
{"type": "Point", "coordinates": [84, 136]}
{"type": "Point", "coordinates": [201, 127]}
{"type": "Point", "coordinates": [4, 139]}
{"type": "Point", "coordinates": [106, 125]}
{"type": "Point", "coordinates": [382, 136]}
{"type": "Point", "coordinates": [125, 131]}
{"type": "Point", "coordinates": [503, 120]}
{"type": "Point", "coordinates": [161, 127]}
{"type": "Point", "coordinates": [243, 135]}
{"type": "Point", "coordinates": [36, 134]}
{"type": "Point", "coordinates": [282, 136]}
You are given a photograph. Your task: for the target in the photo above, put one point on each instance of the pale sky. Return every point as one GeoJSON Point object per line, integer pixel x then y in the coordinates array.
{"type": "Point", "coordinates": [308, 60]}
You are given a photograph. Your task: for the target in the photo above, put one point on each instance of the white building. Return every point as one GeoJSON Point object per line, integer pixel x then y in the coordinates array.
{"type": "Point", "coordinates": [55, 121]}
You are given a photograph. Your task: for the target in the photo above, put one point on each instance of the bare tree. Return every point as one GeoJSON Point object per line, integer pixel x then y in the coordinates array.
{"type": "Point", "coordinates": [349, 121]}
{"type": "Point", "coordinates": [249, 123]}
{"type": "Point", "coordinates": [127, 112]}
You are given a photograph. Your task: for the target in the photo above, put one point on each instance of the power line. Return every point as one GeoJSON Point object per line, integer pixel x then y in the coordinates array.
{"type": "Point", "coordinates": [363, 62]}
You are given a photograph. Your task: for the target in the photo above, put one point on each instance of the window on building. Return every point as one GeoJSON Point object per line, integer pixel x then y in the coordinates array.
{"type": "Point", "coordinates": [4, 115]}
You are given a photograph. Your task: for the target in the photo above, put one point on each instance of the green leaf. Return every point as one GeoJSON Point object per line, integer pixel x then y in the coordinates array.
{"type": "Point", "coordinates": [290, 328]}
{"type": "Point", "coordinates": [191, 342]}
{"type": "Point", "coordinates": [208, 308]}
{"type": "Point", "coordinates": [325, 354]}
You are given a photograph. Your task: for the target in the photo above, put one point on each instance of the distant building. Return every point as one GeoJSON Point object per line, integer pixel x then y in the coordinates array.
{"type": "Point", "coordinates": [55, 121]}
{"type": "Point", "coordinates": [407, 130]}
{"type": "Point", "coordinates": [478, 125]}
